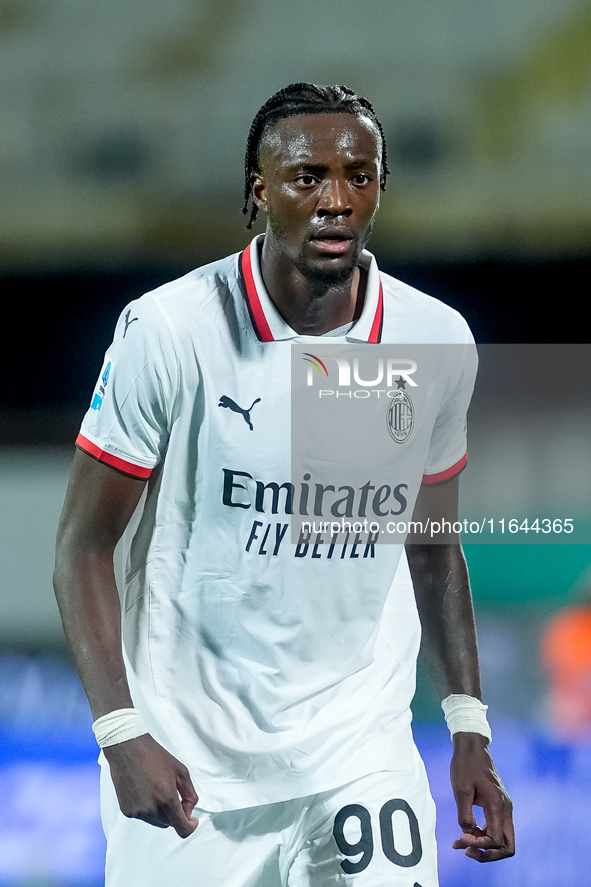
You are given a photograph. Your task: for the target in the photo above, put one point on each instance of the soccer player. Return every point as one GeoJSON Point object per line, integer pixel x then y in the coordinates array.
{"type": "Point", "coordinates": [252, 696]}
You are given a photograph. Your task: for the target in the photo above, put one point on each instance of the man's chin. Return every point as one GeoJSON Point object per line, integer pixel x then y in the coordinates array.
{"type": "Point", "coordinates": [328, 272]}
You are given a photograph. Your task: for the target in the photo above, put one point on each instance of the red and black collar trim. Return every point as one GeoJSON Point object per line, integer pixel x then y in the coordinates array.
{"type": "Point", "coordinates": [255, 309]}
{"type": "Point", "coordinates": [375, 334]}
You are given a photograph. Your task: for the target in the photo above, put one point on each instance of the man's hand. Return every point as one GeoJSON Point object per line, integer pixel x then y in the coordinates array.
{"type": "Point", "coordinates": [152, 785]}
{"type": "Point", "coordinates": [475, 782]}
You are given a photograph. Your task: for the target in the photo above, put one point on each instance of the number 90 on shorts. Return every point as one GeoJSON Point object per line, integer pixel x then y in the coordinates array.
{"type": "Point", "coordinates": [365, 844]}
{"type": "Point", "coordinates": [383, 831]}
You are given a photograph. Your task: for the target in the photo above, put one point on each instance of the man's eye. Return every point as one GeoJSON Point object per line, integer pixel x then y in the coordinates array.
{"type": "Point", "coordinates": [361, 179]}
{"type": "Point", "coordinates": [306, 180]}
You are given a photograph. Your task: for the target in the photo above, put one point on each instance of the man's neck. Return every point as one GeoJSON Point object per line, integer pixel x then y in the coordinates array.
{"type": "Point", "coordinates": [311, 308]}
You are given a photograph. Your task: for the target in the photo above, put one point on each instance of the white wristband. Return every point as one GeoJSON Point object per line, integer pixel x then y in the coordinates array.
{"type": "Point", "coordinates": [465, 714]}
{"type": "Point", "coordinates": [119, 726]}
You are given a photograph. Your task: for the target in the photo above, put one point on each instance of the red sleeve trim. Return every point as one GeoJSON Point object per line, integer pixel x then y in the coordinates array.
{"type": "Point", "coordinates": [108, 458]}
{"type": "Point", "coordinates": [257, 315]}
{"type": "Point", "coordinates": [449, 472]}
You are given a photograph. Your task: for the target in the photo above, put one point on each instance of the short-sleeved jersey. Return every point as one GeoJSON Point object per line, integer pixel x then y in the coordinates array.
{"type": "Point", "coordinates": [271, 669]}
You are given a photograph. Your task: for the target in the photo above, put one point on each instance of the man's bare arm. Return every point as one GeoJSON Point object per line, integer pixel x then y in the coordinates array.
{"type": "Point", "coordinates": [99, 504]}
{"type": "Point", "coordinates": [150, 783]}
{"type": "Point", "coordinates": [444, 601]}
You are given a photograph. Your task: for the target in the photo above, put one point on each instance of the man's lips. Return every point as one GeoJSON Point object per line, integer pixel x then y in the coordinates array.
{"type": "Point", "coordinates": [332, 241]}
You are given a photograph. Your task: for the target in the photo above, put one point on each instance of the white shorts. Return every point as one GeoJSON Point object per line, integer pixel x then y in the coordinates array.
{"type": "Point", "coordinates": [378, 831]}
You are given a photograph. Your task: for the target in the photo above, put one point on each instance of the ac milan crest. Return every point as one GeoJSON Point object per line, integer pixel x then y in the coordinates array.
{"type": "Point", "coordinates": [400, 416]}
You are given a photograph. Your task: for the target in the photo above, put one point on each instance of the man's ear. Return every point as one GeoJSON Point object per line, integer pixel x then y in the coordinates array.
{"type": "Point", "coordinates": [259, 190]}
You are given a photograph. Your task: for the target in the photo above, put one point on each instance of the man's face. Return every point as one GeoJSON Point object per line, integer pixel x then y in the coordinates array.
{"type": "Point", "coordinates": [320, 186]}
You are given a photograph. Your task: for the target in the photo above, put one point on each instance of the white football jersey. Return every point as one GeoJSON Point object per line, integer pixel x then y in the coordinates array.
{"type": "Point", "coordinates": [272, 670]}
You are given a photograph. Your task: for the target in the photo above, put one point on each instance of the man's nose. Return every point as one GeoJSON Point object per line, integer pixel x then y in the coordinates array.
{"type": "Point", "coordinates": [334, 200]}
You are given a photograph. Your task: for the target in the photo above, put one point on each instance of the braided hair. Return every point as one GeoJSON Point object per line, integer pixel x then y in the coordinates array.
{"type": "Point", "coordinates": [303, 98]}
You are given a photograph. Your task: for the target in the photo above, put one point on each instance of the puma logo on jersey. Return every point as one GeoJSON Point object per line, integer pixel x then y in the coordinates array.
{"type": "Point", "coordinates": [228, 403]}
{"type": "Point", "coordinates": [128, 321]}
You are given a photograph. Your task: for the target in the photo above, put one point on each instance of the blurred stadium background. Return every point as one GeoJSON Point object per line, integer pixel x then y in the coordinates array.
{"type": "Point", "coordinates": [121, 156]}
